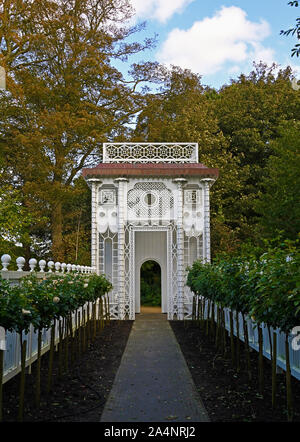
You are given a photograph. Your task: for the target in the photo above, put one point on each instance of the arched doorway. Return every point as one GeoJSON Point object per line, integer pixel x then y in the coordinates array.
{"type": "Point", "coordinates": [150, 286]}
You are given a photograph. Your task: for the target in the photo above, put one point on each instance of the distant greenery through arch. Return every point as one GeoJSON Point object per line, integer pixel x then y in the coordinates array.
{"type": "Point", "coordinates": [151, 284]}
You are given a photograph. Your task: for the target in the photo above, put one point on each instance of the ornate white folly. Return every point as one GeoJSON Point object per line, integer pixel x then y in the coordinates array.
{"type": "Point", "coordinates": [150, 201]}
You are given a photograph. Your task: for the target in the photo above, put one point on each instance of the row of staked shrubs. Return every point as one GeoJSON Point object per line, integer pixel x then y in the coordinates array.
{"type": "Point", "coordinates": [44, 303]}
{"type": "Point", "coordinates": [267, 289]}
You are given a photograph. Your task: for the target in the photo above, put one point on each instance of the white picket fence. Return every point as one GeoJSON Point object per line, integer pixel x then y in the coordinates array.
{"type": "Point", "coordinates": [11, 345]}
{"type": "Point", "coordinates": [253, 340]}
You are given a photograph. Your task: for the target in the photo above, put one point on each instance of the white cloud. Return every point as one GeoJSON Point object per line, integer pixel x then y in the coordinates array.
{"type": "Point", "coordinates": [227, 37]}
{"type": "Point", "coordinates": [160, 10]}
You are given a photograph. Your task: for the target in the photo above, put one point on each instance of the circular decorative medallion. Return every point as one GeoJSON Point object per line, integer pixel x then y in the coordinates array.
{"type": "Point", "coordinates": [150, 199]}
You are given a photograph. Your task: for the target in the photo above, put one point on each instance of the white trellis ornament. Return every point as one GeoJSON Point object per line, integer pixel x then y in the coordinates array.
{"type": "Point", "coordinates": [150, 201]}
{"type": "Point", "coordinates": [150, 152]}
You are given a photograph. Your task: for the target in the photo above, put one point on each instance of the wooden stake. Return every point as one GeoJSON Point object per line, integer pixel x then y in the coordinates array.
{"type": "Point", "coordinates": [289, 395]}
{"type": "Point", "coordinates": [246, 338]}
{"type": "Point", "coordinates": [238, 362]}
{"type": "Point", "coordinates": [260, 361]}
{"type": "Point", "coordinates": [232, 339]}
{"type": "Point", "coordinates": [51, 356]}
{"type": "Point", "coordinates": [22, 378]}
{"type": "Point", "coordinates": [38, 371]}
{"type": "Point", "coordinates": [274, 364]}
{"type": "Point", "coordinates": [1, 383]}
{"type": "Point", "coordinates": [60, 347]}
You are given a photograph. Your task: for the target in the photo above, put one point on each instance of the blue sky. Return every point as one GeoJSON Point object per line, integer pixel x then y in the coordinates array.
{"type": "Point", "coordinates": [218, 39]}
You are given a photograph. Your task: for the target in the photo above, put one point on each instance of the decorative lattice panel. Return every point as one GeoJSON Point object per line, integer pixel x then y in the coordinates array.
{"type": "Point", "coordinates": [174, 274]}
{"type": "Point", "coordinates": [108, 265]}
{"type": "Point", "coordinates": [193, 213]}
{"type": "Point", "coordinates": [129, 273]}
{"type": "Point", "coordinates": [150, 153]}
{"type": "Point", "coordinates": [148, 201]}
{"type": "Point", "coordinates": [193, 250]}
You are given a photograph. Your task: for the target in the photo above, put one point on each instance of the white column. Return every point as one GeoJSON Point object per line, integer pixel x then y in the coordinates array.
{"type": "Point", "coordinates": [94, 183]}
{"type": "Point", "coordinates": [180, 249]}
{"type": "Point", "coordinates": [207, 183]}
{"type": "Point", "coordinates": [121, 245]}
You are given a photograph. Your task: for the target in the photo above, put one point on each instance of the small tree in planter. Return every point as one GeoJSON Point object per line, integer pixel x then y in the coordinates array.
{"type": "Point", "coordinates": [4, 322]}
{"type": "Point", "coordinates": [97, 287]}
{"type": "Point", "coordinates": [278, 287]}
{"type": "Point", "coordinates": [41, 296]}
{"type": "Point", "coordinates": [16, 315]}
{"type": "Point", "coordinates": [252, 273]}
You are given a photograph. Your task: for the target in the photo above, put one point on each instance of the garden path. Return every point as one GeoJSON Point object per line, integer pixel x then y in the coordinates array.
{"type": "Point", "coordinates": [153, 383]}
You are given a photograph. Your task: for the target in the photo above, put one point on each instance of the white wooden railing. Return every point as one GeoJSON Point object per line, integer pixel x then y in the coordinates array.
{"type": "Point", "coordinates": [10, 342]}
{"type": "Point", "coordinates": [253, 340]}
{"type": "Point", "coordinates": [51, 266]}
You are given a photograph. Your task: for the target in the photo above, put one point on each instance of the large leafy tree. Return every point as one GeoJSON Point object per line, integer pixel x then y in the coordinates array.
{"type": "Point", "coordinates": [14, 218]}
{"type": "Point", "coordinates": [278, 203]}
{"type": "Point", "coordinates": [250, 111]}
{"type": "Point", "coordinates": [65, 95]}
{"type": "Point", "coordinates": [77, 221]}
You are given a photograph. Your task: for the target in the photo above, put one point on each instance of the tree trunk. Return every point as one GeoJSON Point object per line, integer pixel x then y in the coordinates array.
{"type": "Point", "coordinates": [260, 361]}
{"type": "Point", "coordinates": [60, 347]}
{"type": "Point", "coordinates": [246, 338]}
{"type": "Point", "coordinates": [27, 254]}
{"type": "Point", "coordinates": [1, 380]}
{"type": "Point", "coordinates": [289, 396]}
{"type": "Point", "coordinates": [208, 317]}
{"type": "Point", "coordinates": [238, 366]}
{"type": "Point", "coordinates": [224, 333]}
{"type": "Point", "coordinates": [274, 360]}
{"type": "Point", "coordinates": [232, 339]}
{"type": "Point", "coordinates": [94, 320]}
{"type": "Point", "coordinates": [217, 328]}
{"type": "Point", "coordinates": [66, 344]}
{"type": "Point", "coordinates": [194, 309]}
{"type": "Point", "coordinates": [79, 333]}
{"type": "Point", "coordinates": [51, 357]}
{"type": "Point", "coordinates": [83, 332]}
{"type": "Point", "coordinates": [198, 311]}
{"type": "Point", "coordinates": [212, 320]}
{"type": "Point", "coordinates": [108, 309]}
{"type": "Point", "coordinates": [38, 371]}
{"type": "Point", "coordinates": [23, 345]}
{"type": "Point", "coordinates": [202, 308]}
{"type": "Point", "coordinates": [70, 322]}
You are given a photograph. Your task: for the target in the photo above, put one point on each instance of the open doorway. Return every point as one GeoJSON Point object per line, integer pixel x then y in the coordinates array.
{"type": "Point", "coordinates": [150, 287]}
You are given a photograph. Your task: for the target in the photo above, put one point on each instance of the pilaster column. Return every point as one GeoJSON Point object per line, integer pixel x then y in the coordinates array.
{"type": "Point", "coordinates": [180, 248]}
{"type": "Point", "coordinates": [94, 184]}
{"type": "Point", "coordinates": [121, 245]}
{"type": "Point", "coordinates": [207, 183]}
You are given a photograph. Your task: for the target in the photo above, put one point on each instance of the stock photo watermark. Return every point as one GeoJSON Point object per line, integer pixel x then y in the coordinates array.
{"type": "Point", "coordinates": [296, 339]}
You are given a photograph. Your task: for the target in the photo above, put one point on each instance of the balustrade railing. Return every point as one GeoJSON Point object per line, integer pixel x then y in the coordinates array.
{"type": "Point", "coordinates": [10, 341]}
{"type": "Point", "coordinates": [253, 338]}
{"type": "Point", "coordinates": [51, 266]}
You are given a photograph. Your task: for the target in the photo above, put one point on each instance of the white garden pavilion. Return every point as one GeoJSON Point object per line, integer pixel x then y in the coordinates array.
{"type": "Point", "coordinates": [150, 201]}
